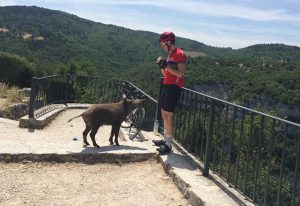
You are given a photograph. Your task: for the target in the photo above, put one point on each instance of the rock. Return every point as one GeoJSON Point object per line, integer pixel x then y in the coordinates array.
{"type": "Point", "coordinates": [26, 92]}
{"type": "Point", "coordinates": [15, 111]}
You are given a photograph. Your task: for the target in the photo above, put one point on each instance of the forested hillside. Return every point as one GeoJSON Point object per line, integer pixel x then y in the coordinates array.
{"type": "Point", "coordinates": [38, 41]}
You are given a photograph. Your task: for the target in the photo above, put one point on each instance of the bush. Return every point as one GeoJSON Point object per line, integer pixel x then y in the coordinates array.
{"type": "Point", "coordinates": [14, 95]}
{"type": "Point", "coordinates": [10, 94]}
{"type": "Point", "coordinates": [3, 90]}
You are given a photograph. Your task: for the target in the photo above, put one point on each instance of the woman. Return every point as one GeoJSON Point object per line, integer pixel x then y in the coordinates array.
{"type": "Point", "coordinates": [173, 69]}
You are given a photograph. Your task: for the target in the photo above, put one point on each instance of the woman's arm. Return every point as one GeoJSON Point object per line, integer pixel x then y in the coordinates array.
{"type": "Point", "coordinates": [179, 72]}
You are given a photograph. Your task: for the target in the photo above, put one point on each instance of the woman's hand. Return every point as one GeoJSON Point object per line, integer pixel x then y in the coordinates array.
{"type": "Point", "coordinates": [161, 63]}
{"type": "Point", "coordinates": [158, 59]}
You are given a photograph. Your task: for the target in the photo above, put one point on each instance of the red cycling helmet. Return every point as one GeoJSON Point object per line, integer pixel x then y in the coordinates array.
{"type": "Point", "coordinates": [167, 36]}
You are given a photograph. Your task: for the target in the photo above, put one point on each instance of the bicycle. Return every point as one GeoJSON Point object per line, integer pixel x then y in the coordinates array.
{"type": "Point", "coordinates": [135, 119]}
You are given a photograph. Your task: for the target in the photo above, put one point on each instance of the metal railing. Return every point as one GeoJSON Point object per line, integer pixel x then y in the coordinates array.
{"type": "Point", "coordinates": [256, 153]}
{"type": "Point", "coordinates": [48, 93]}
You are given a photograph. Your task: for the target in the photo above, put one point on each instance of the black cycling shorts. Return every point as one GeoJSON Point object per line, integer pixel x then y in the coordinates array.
{"type": "Point", "coordinates": [169, 97]}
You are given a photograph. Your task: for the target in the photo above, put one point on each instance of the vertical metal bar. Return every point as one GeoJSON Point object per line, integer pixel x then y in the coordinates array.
{"type": "Point", "coordinates": [33, 95]}
{"type": "Point", "coordinates": [180, 115]}
{"type": "Point", "coordinates": [184, 133]}
{"type": "Point", "coordinates": [194, 100]}
{"type": "Point", "coordinates": [52, 91]}
{"type": "Point", "coordinates": [96, 86]}
{"type": "Point", "coordinates": [158, 106]}
{"type": "Point", "coordinates": [269, 162]}
{"type": "Point", "coordinates": [100, 87]}
{"type": "Point", "coordinates": [60, 92]}
{"type": "Point", "coordinates": [55, 82]}
{"type": "Point", "coordinates": [176, 127]}
{"type": "Point", "coordinates": [47, 95]}
{"type": "Point", "coordinates": [217, 139]}
{"type": "Point", "coordinates": [295, 174]}
{"type": "Point", "coordinates": [282, 164]}
{"type": "Point", "coordinates": [56, 94]}
{"type": "Point", "coordinates": [91, 87]}
{"type": "Point", "coordinates": [67, 88]}
{"type": "Point", "coordinates": [203, 129]}
{"type": "Point", "coordinates": [77, 88]}
{"type": "Point", "coordinates": [45, 92]}
{"type": "Point", "coordinates": [198, 127]}
{"type": "Point", "coordinates": [62, 89]}
{"type": "Point", "coordinates": [117, 95]}
{"type": "Point", "coordinates": [117, 90]}
{"type": "Point", "coordinates": [111, 89]}
{"type": "Point", "coordinates": [224, 135]}
{"type": "Point", "coordinates": [95, 96]}
{"type": "Point", "coordinates": [104, 88]}
{"type": "Point", "coordinates": [209, 139]}
{"type": "Point", "coordinates": [239, 148]}
{"type": "Point", "coordinates": [40, 96]}
{"type": "Point", "coordinates": [49, 92]}
{"type": "Point", "coordinates": [231, 139]}
{"type": "Point", "coordinates": [110, 96]}
{"type": "Point", "coordinates": [260, 140]}
{"type": "Point", "coordinates": [189, 108]}
{"type": "Point", "coordinates": [248, 152]}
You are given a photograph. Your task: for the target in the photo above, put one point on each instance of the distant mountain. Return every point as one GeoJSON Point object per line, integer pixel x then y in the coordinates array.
{"type": "Point", "coordinates": [51, 37]}
{"type": "Point", "coordinates": [278, 52]}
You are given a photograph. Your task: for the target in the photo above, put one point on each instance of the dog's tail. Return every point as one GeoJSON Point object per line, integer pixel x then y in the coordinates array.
{"type": "Point", "coordinates": [74, 118]}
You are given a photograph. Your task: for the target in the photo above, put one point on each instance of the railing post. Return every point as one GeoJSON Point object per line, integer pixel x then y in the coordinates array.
{"type": "Point", "coordinates": [208, 152]}
{"type": "Point", "coordinates": [158, 112]}
{"type": "Point", "coordinates": [33, 94]}
{"type": "Point", "coordinates": [67, 89]}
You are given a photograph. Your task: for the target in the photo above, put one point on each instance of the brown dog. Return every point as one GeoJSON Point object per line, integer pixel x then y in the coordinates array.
{"type": "Point", "coordinates": [107, 114]}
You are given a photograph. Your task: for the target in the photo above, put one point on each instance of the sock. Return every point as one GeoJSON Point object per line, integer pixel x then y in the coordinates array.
{"type": "Point", "coordinates": [168, 139]}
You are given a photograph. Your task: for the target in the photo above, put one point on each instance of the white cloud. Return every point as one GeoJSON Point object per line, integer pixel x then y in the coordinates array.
{"type": "Point", "coordinates": [7, 2]}
{"type": "Point", "coordinates": [208, 8]}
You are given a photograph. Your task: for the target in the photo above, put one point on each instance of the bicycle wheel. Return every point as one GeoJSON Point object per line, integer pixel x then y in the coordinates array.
{"type": "Point", "coordinates": [127, 123]}
{"type": "Point", "coordinates": [138, 117]}
{"type": "Point", "coordinates": [137, 120]}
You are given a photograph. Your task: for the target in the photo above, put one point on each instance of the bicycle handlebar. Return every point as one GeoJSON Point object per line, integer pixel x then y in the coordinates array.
{"type": "Point", "coordinates": [130, 91]}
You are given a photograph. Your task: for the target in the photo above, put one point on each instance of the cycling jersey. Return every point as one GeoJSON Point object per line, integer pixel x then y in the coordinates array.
{"type": "Point", "coordinates": [177, 56]}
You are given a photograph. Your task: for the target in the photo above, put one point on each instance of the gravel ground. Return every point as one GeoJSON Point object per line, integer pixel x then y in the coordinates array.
{"type": "Point", "coordinates": [143, 183]}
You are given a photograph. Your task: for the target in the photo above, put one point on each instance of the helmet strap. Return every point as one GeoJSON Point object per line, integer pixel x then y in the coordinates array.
{"type": "Point", "coordinates": [169, 46]}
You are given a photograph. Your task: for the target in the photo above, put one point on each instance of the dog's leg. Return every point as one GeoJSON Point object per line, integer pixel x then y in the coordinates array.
{"type": "Point", "coordinates": [116, 132]}
{"type": "Point", "coordinates": [93, 134]}
{"type": "Point", "coordinates": [112, 134]}
{"type": "Point", "coordinates": [84, 134]}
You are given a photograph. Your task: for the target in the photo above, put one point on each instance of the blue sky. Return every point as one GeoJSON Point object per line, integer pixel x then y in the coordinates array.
{"type": "Point", "coordinates": [222, 23]}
